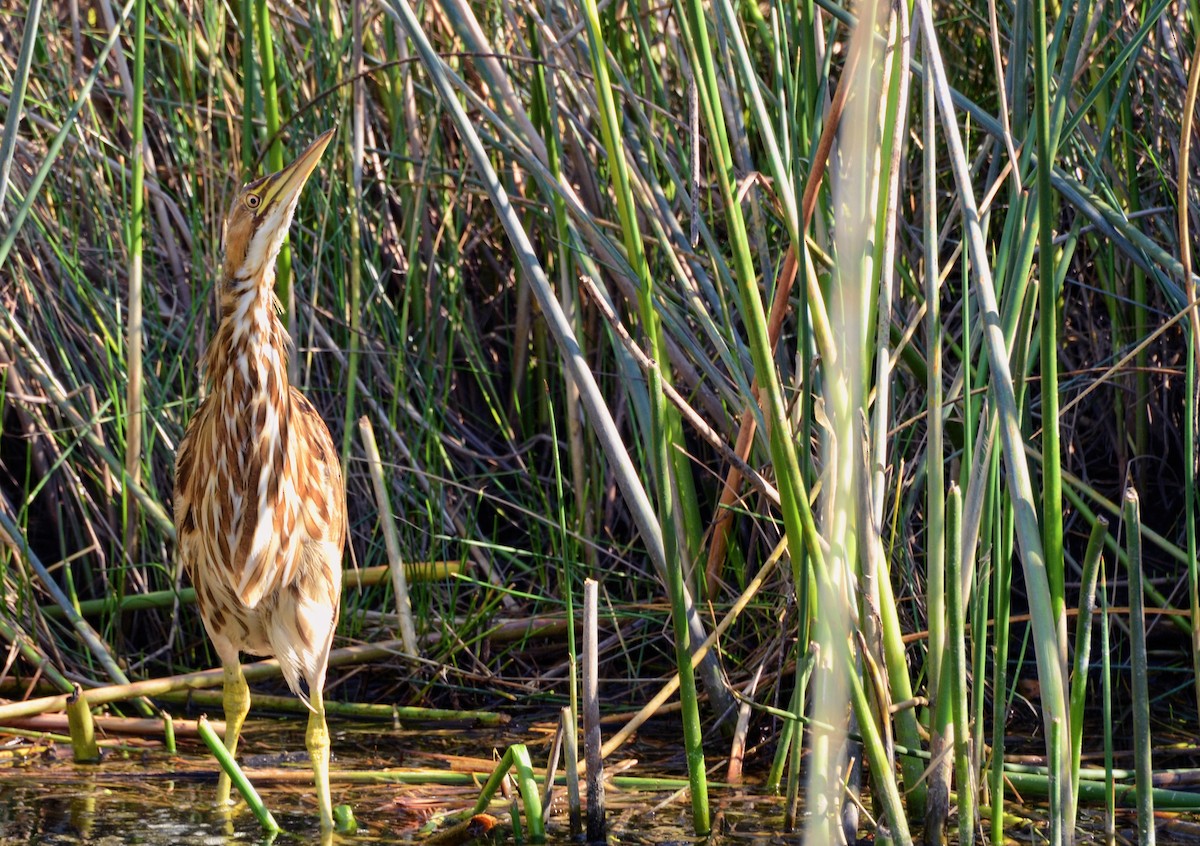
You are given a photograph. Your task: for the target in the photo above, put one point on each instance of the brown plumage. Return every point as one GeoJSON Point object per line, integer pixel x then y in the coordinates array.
{"type": "Point", "coordinates": [260, 504]}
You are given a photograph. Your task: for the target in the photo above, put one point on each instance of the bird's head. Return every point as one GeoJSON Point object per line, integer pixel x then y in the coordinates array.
{"type": "Point", "coordinates": [261, 213]}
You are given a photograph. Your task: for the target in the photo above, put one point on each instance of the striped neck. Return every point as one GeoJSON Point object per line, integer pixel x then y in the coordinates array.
{"type": "Point", "coordinates": [248, 354]}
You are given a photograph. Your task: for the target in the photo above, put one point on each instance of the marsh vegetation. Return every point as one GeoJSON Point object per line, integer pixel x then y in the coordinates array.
{"type": "Point", "coordinates": [859, 341]}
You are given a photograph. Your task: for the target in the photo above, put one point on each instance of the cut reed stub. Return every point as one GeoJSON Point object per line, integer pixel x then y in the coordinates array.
{"type": "Point", "coordinates": [83, 730]}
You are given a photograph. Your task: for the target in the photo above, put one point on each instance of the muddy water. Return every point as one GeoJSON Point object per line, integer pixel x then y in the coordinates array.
{"type": "Point", "coordinates": [140, 795]}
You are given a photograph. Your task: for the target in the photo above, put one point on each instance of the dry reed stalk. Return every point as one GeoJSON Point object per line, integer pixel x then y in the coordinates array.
{"type": "Point", "coordinates": [136, 726]}
{"type": "Point", "coordinates": [591, 716]}
{"type": "Point", "coordinates": [205, 678]}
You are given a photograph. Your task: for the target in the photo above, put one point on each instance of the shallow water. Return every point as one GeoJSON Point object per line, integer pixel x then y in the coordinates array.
{"type": "Point", "coordinates": [140, 795]}
{"type": "Point", "coordinates": [143, 796]}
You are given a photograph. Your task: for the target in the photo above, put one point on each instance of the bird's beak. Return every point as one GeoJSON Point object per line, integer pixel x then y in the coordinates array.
{"type": "Point", "coordinates": [286, 184]}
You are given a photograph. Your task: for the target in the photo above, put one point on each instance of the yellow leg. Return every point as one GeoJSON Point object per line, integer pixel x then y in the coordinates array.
{"type": "Point", "coordinates": [317, 740]}
{"type": "Point", "coordinates": [237, 705]}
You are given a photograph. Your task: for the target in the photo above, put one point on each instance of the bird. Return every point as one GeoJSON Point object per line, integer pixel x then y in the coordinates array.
{"type": "Point", "coordinates": [260, 501]}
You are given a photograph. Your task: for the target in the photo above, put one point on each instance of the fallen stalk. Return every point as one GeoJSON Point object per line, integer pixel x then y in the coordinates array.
{"type": "Point", "coordinates": [139, 726]}
{"type": "Point", "coordinates": [430, 776]}
{"type": "Point", "coordinates": [424, 571]}
{"type": "Point", "coordinates": [361, 710]}
{"type": "Point", "coordinates": [191, 681]}
{"type": "Point", "coordinates": [1026, 785]}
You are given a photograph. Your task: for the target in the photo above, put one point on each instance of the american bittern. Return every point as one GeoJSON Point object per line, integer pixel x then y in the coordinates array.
{"type": "Point", "coordinates": [259, 500]}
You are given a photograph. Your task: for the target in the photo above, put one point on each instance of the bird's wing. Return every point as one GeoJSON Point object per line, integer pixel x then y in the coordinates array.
{"type": "Point", "coordinates": [205, 518]}
{"type": "Point", "coordinates": [190, 484]}
{"type": "Point", "coordinates": [184, 466]}
{"type": "Point", "coordinates": [300, 501]}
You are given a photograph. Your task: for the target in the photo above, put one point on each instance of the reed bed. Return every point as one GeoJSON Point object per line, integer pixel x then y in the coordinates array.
{"type": "Point", "coordinates": [658, 295]}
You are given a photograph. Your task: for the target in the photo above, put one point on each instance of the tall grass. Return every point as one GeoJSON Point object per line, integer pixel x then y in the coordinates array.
{"type": "Point", "coordinates": [639, 293]}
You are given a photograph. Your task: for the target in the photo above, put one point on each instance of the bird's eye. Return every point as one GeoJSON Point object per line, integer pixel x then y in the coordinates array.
{"type": "Point", "coordinates": [252, 201]}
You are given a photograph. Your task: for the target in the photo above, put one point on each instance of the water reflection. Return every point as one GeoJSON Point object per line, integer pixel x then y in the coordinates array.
{"type": "Point", "coordinates": [157, 813]}
{"type": "Point", "coordinates": [153, 799]}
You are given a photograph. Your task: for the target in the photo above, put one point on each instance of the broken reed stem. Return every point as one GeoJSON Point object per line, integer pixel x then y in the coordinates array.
{"type": "Point", "coordinates": [231, 768]}
{"type": "Point", "coordinates": [574, 805]}
{"type": "Point", "coordinates": [408, 632]}
{"type": "Point", "coordinates": [168, 723]}
{"type": "Point", "coordinates": [207, 678]}
{"type": "Point", "coordinates": [83, 731]}
{"type": "Point", "coordinates": [591, 714]}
